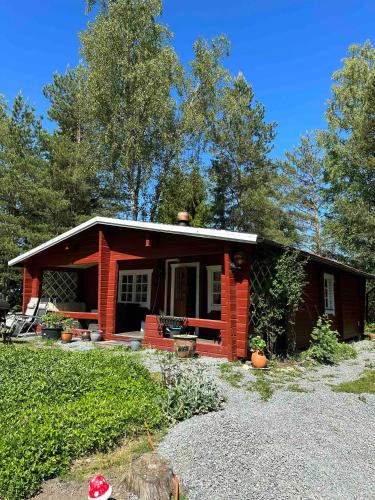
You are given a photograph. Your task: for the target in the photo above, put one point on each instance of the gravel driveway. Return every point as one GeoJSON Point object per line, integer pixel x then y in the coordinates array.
{"type": "Point", "coordinates": [300, 445]}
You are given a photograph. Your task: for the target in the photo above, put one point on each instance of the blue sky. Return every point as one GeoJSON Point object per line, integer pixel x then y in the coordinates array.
{"type": "Point", "coordinates": [287, 49]}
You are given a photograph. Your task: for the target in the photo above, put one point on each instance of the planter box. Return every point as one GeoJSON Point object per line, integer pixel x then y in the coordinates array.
{"type": "Point", "coordinates": [51, 333]}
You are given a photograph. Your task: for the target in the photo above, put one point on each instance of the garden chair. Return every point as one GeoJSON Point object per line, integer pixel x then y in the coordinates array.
{"type": "Point", "coordinates": [23, 324]}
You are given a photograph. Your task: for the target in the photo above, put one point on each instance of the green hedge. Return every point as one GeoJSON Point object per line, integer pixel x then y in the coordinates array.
{"type": "Point", "coordinates": [57, 405]}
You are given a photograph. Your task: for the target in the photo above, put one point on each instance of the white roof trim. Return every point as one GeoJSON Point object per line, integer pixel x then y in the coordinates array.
{"type": "Point", "coordinates": [198, 232]}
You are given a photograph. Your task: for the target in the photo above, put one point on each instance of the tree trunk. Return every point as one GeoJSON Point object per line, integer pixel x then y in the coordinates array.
{"type": "Point", "coordinates": [150, 477]}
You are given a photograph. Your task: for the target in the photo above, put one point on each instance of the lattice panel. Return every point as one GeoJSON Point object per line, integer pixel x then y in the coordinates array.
{"type": "Point", "coordinates": [61, 286]}
{"type": "Point", "coordinates": [260, 278]}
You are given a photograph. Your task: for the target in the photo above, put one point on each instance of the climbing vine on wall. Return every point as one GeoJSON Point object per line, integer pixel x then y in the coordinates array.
{"type": "Point", "coordinates": [280, 299]}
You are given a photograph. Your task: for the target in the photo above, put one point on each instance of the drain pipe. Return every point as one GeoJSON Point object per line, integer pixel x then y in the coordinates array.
{"type": "Point", "coordinates": [167, 262]}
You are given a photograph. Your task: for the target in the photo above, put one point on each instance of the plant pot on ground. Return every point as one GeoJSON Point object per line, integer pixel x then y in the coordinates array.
{"type": "Point", "coordinates": [52, 325]}
{"type": "Point", "coordinates": [96, 335]}
{"type": "Point", "coordinates": [257, 347]}
{"type": "Point", "coordinates": [184, 345]}
{"type": "Point", "coordinates": [67, 333]}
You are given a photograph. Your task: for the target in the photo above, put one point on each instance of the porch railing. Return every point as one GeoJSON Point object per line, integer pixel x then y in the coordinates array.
{"type": "Point", "coordinates": [80, 315]}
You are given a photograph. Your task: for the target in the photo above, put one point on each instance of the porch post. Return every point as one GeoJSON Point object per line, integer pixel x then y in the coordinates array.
{"type": "Point", "coordinates": [228, 308]}
{"type": "Point", "coordinates": [31, 284]}
{"type": "Point", "coordinates": [27, 286]}
{"type": "Point", "coordinates": [242, 308]}
{"type": "Point", "coordinates": [103, 274]}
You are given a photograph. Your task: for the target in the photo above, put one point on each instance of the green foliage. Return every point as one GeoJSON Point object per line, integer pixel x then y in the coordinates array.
{"type": "Point", "coordinates": [256, 343]}
{"type": "Point", "coordinates": [365, 384]}
{"type": "Point", "coordinates": [262, 385]}
{"type": "Point", "coordinates": [279, 302]}
{"type": "Point", "coordinates": [325, 347]}
{"type": "Point", "coordinates": [68, 324]}
{"type": "Point", "coordinates": [56, 406]}
{"type": "Point", "coordinates": [132, 71]}
{"type": "Point", "coordinates": [53, 320]}
{"type": "Point", "coordinates": [243, 179]}
{"type": "Point", "coordinates": [229, 373]}
{"type": "Point", "coordinates": [350, 157]}
{"type": "Point", "coordinates": [190, 391]}
{"type": "Point", "coordinates": [305, 190]}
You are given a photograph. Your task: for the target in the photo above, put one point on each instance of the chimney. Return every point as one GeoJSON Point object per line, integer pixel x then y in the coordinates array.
{"type": "Point", "coordinates": [183, 219]}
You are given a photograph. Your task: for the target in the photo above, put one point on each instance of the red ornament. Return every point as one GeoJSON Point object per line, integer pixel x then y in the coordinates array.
{"type": "Point", "coordinates": [99, 489]}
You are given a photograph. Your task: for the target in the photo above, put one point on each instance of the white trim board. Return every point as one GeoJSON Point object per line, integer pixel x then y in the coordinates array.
{"type": "Point", "coordinates": [210, 271]}
{"type": "Point", "coordinates": [198, 232]}
{"type": "Point", "coordinates": [173, 273]}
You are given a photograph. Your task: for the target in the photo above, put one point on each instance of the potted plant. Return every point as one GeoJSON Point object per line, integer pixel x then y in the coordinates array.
{"type": "Point", "coordinates": [257, 346]}
{"type": "Point", "coordinates": [67, 333]}
{"type": "Point", "coordinates": [184, 345]}
{"type": "Point", "coordinates": [52, 325]}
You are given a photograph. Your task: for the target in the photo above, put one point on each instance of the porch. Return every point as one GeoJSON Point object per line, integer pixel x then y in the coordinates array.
{"type": "Point", "coordinates": [127, 291]}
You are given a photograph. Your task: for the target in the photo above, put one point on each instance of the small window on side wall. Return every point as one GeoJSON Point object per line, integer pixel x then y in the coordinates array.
{"type": "Point", "coordinates": [329, 293]}
{"type": "Point", "coordinates": [213, 288]}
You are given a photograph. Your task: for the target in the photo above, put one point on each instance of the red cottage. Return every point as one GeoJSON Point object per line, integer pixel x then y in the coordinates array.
{"type": "Point", "coordinates": [124, 274]}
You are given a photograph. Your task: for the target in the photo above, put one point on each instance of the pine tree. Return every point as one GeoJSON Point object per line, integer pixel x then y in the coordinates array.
{"type": "Point", "coordinates": [306, 190]}
{"type": "Point", "coordinates": [77, 168]}
{"type": "Point", "coordinates": [245, 189]}
{"type": "Point", "coordinates": [27, 203]}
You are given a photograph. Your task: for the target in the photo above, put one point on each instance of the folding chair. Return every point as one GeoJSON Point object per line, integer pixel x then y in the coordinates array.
{"type": "Point", "coordinates": [22, 324]}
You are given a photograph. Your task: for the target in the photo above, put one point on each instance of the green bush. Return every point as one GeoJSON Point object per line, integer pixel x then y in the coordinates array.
{"type": "Point", "coordinates": [325, 347]}
{"type": "Point", "coordinates": [190, 391]}
{"type": "Point", "coordinates": [57, 405]}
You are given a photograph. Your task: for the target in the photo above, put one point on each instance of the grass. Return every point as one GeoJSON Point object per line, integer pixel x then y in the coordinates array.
{"type": "Point", "coordinates": [363, 385]}
{"type": "Point", "coordinates": [229, 373]}
{"type": "Point", "coordinates": [297, 388]}
{"type": "Point", "coordinates": [262, 385]}
{"type": "Point", "coordinates": [112, 463]}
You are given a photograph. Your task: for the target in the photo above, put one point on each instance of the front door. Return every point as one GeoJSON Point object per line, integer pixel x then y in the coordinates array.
{"type": "Point", "coordinates": [181, 291]}
{"type": "Point", "coordinates": [184, 291]}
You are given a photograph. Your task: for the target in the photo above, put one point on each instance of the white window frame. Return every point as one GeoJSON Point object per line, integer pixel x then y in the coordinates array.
{"type": "Point", "coordinates": [329, 293]}
{"type": "Point", "coordinates": [135, 272]}
{"type": "Point", "coordinates": [210, 273]}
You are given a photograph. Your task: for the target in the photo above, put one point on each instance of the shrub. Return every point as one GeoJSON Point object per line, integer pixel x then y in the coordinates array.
{"type": "Point", "coordinates": [257, 343]}
{"type": "Point", "coordinates": [190, 391]}
{"type": "Point", "coordinates": [57, 405]}
{"type": "Point", "coordinates": [325, 347]}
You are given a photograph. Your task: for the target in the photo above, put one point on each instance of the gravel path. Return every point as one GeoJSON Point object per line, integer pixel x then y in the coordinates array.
{"type": "Point", "coordinates": [300, 445]}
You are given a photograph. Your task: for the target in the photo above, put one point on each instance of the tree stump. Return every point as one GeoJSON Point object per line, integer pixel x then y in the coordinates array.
{"type": "Point", "coordinates": [150, 477]}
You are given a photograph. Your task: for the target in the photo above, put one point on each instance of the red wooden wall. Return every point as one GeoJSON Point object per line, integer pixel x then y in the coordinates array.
{"type": "Point", "coordinates": [111, 249]}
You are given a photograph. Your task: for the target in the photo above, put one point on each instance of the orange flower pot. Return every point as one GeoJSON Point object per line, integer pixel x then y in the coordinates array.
{"type": "Point", "coordinates": [258, 359]}
{"type": "Point", "coordinates": [66, 337]}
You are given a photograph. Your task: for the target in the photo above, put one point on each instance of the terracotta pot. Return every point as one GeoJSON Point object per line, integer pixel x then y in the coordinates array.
{"type": "Point", "coordinates": [184, 345]}
{"type": "Point", "coordinates": [371, 336]}
{"type": "Point", "coordinates": [66, 337]}
{"type": "Point", "coordinates": [258, 359]}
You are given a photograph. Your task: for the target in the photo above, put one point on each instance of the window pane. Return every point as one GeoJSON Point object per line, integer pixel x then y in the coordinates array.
{"type": "Point", "coordinates": [216, 276]}
{"type": "Point", "coordinates": [216, 299]}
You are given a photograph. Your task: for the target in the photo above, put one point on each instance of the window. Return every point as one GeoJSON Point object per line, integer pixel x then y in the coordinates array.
{"type": "Point", "coordinates": [213, 288]}
{"type": "Point", "coordinates": [135, 287]}
{"type": "Point", "coordinates": [329, 293]}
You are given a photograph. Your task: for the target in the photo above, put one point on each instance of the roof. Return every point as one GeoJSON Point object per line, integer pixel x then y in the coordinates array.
{"type": "Point", "coordinates": [326, 260]}
{"type": "Point", "coordinates": [197, 232]}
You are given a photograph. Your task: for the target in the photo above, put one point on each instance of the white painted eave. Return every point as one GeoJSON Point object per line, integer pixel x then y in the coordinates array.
{"type": "Point", "coordinates": [197, 232]}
